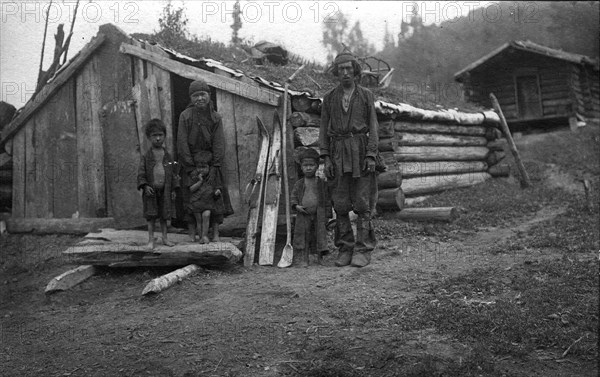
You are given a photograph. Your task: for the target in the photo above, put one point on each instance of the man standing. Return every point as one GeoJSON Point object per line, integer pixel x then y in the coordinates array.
{"type": "Point", "coordinates": [348, 142]}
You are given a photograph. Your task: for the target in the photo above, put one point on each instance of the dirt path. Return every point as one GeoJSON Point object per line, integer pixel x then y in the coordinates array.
{"type": "Point", "coordinates": [262, 321]}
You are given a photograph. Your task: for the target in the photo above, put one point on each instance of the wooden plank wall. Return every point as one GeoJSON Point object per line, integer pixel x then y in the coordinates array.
{"type": "Point", "coordinates": [91, 184]}
{"type": "Point", "coordinates": [242, 142]}
{"type": "Point", "coordinates": [44, 160]}
{"type": "Point", "coordinates": [152, 93]}
{"type": "Point", "coordinates": [19, 173]}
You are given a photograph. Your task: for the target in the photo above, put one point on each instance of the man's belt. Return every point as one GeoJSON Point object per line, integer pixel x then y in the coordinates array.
{"type": "Point", "coordinates": [347, 135]}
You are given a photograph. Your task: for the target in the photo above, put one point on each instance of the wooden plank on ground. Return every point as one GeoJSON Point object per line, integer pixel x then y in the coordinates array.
{"type": "Point", "coordinates": [59, 226]}
{"type": "Point", "coordinates": [140, 237]}
{"type": "Point", "coordinates": [19, 173]}
{"type": "Point", "coordinates": [126, 255]}
{"type": "Point", "coordinates": [237, 87]}
{"type": "Point", "coordinates": [428, 214]}
{"type": "Point", "coordinates": [70, 278]}
{"type": "Point", "coordinates": [91, 187]}
{"type": "Point", "coordinates": [168, 280]}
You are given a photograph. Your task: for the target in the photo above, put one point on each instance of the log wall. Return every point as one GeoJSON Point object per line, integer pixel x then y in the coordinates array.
{"type": "Point", "coordinates": [563, 87]}
{"type": "Point", "coordinates": [425, 151]}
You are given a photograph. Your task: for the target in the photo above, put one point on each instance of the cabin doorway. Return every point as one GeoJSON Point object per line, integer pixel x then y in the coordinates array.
{"type": "Point", "coordinates": [528, 97]}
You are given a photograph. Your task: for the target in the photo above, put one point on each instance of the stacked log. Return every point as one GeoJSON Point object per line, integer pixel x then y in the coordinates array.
{"type": "Point", "coordinates": [425, 151]}
{"type": "Point", "coordinates": [5, 182]}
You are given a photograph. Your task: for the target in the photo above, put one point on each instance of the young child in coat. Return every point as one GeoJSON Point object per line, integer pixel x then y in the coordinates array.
{"type": "Point", "coordinates": [312, 202]}
{"type": "Point", "coordinates": [157, 178]}
{"type": "Point", "coordinates": [204, 198]}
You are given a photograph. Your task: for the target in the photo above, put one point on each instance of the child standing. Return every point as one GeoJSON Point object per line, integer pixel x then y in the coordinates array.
{"type": "Point", "coordinates": [157, 178]}
{"type": "Point", "coordinates": [312, 202]}
{"type": "Point", "coordinates": [204, 198]}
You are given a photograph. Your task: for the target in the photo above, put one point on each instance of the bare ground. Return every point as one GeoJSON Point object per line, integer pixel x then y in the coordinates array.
{"type": "Point", "coordinates": [265, 321]}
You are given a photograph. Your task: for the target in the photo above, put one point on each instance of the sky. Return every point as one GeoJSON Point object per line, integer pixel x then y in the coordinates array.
{"type": "Point", "coordinates": [297, 25]}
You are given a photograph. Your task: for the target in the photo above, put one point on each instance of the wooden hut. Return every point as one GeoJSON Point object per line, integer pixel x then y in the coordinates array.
{"type": "Point", "coordinates": [76, 145]}
{"type": "Point", "coordinates": [534, 84]}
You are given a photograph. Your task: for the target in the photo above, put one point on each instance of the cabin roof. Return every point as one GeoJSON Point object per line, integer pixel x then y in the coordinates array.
{"type": "Point", "coordinates": [532, 47]}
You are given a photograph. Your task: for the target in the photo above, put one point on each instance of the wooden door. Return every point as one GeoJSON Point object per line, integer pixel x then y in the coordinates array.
{"type": "Point", "coordinates": [528, 97]}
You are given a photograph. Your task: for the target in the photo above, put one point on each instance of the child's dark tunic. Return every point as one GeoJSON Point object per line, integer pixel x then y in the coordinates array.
{"type": "Point", "coordinates": [311, 229]}
{"type": "Point", "coordinates": [203, 198]}
{"type": "Point", "coordinates": [159, 205]}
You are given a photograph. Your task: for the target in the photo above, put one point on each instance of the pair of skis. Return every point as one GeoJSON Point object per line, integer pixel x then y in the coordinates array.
{"type": "Point", "coordinates": [265, 189]}
{"type": "Point", "coordinates": [269, 173]}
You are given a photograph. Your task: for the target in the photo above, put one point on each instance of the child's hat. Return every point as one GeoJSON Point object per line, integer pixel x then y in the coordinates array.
{"type": "Point", "coordinates": [198, 86]}
{"type": "Point", "coordinates": [309, 153]}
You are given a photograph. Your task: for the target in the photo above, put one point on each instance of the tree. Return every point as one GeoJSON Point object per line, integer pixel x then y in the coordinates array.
{"type": "Point", "coordinates": [333, 35]}
{"type": "Point", "coordinates": [173, 25]}
{"type": "Point", "coordinates": [237, 23]}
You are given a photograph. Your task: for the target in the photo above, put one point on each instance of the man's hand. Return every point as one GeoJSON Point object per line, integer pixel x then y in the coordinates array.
{"type": "Point", "coordinates": [370, 164]}
{"type": "Point", "coordinates": [173, 196]}
{"type": "Point", "coordinates": [329, 169]}
{"type": "Point", "coordinates": [148, 191]}
{"type": "Point", "coordinates": [217, 193]}
{"type": "Point", "coordinates": [301, 210]}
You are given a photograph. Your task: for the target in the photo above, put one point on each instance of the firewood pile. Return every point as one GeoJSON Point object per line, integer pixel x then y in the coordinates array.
{"type": "Point", "coordinates": [425, 151]}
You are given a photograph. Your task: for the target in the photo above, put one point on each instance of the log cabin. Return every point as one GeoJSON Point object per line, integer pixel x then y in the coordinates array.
{"type": "Point", "coordinates": [75, 146]}
{"type": "Point", "coordinates": [536, 86]}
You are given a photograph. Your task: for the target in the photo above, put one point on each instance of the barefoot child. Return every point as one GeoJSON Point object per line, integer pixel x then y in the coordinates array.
{"type": "Point", "coordinates": [310, 199]}
{"type": "Point", "coordinates": [203, 199]}
{"type": "Point", "coordinates": [157, 178]}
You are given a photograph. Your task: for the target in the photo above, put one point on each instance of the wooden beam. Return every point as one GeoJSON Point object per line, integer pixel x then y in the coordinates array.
{"type": "Point", "coordinates": [48, 90]}
{"type": "Point", "coordinates": [168, 280]}
{"type": "Point", "coordinates": [126, 255]}
{"type": "Point", "coordinates": [410, 139]}
{"type": "Point", "coordinates": [434, 183]}
{"type": "Point", "coordinates": [227, 84]}
{"type": "Point", "coordinates": [525, 181]}
{"type": "Point", "coordinates": [432, 153]}
{"type": "Point", "coordinates": [428, 214]}
{"type": "Point", "coordinates": [62, 226]}
{"type": "Point", "coordinates": [70, 278]}
{"type": "Point", "coordinates": [391, 199]}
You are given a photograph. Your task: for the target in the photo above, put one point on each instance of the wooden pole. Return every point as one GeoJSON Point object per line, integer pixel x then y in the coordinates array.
{"type": "Point", "coordinates": [428, 214]}
{"type": "Point", "coordinates": [525, 182]}
{"type": "Point", "coordinates": [43, 48]}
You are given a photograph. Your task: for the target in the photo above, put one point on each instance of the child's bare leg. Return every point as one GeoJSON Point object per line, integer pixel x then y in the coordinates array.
{"type": "Point", "coordinates": [205, 225]}
{"type": "Point", "coordinates": [150, 234]}
{"type": "Point", "coordinates": [198, 217]}
{"type": "Point", "coordinates": [215, 234]}
{"type": "Point", "coordinates": [165, 238]}
{"type": "Point", "coordinates": [192, 231]}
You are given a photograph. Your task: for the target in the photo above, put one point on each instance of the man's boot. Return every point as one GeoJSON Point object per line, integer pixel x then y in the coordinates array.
{"type": "Point", "coordinates": [365, 242]}
{"type": "Point", "coordinates": [344, 240]}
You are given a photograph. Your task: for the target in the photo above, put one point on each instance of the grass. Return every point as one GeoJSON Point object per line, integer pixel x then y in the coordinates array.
{"type": "Point", "coordinates": [546, 305]}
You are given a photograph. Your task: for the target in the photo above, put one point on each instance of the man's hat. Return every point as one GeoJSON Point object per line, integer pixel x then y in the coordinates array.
{"type": "Point", "coordinates": [198, 86]}
{"type": "Point", "coordinates": [344, 57]}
